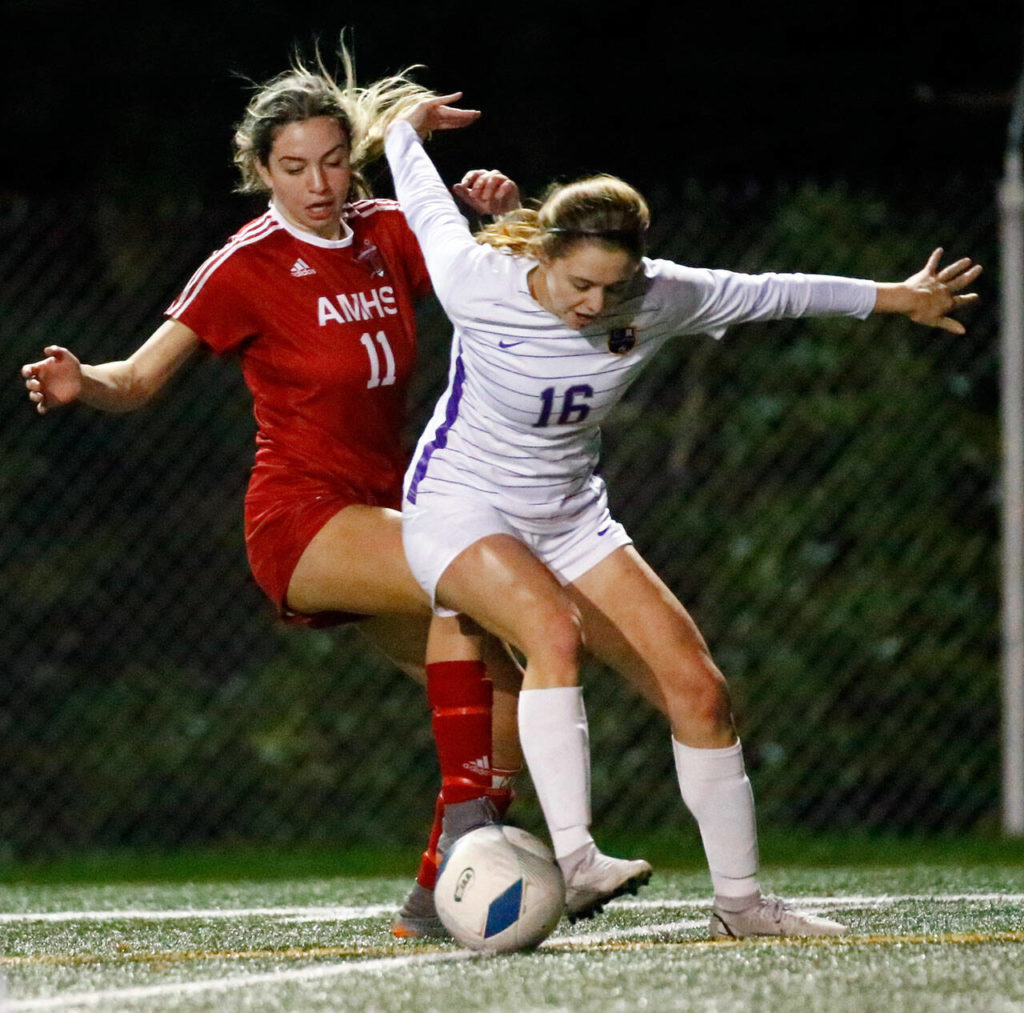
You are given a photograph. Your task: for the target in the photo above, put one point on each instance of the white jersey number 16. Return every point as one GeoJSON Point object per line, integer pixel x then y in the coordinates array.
{"type": "Point", "coordinates": [571, 405]}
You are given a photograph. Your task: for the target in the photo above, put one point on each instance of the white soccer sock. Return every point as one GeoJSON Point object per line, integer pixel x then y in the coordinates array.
{"type": "Point", "coordinates": [556, 744]}
{"type": "Point", "coordinates": [715, 788]}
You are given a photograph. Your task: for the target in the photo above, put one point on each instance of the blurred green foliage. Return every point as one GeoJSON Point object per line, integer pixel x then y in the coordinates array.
{"type": "Point", "coordinates": [820, 494]}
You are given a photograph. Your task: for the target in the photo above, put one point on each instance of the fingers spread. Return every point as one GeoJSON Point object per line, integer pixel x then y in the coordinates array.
{"type": "Point", "coordinates": [958, 267]}
{"type": "Point", "coordinates": [966, 278]}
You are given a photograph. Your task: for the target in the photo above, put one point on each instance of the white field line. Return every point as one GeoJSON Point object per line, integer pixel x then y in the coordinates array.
{"type": "Point", "coordinates": [85, 1000]}
{"type": "Point", "coordinates": [812, 904]}
{"type": "Point", "coordinates": [850, 900]}
{"type": "Point", "coordinates": [354, 913]}
{"type": "Point", "coordinates": [345, 913]}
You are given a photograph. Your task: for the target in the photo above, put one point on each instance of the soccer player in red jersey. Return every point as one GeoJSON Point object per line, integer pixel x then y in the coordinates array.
{"type": "Point", "coordinates": [316, 298]}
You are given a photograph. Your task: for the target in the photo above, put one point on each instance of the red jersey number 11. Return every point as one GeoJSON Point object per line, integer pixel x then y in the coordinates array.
{"type": "Point", "coordinates": [376, 380]}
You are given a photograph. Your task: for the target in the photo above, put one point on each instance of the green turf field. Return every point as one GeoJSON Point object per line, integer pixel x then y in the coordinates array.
{"type": "Point", "coordinates": [926, 936]}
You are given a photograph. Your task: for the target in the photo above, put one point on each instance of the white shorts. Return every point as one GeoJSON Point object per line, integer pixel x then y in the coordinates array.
{"type": "Point", "coordinates": [437, 528]}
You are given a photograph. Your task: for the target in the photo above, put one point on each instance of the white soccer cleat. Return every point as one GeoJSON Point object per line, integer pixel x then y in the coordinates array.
{"type": "Point", "coordinates": [770, 916]}
{"type": "Point", "coordinates": [592, 879]}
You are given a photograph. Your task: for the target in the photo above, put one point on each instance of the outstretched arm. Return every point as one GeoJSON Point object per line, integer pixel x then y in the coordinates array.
{"type": "Point", "coordinates": [61, 379]}
{"type": "Point", "coordinates": [485, 191]}
{"type": "Point", "coordinates": [931, 295]}
{"type": "Point", "coordinates": [443, 234]}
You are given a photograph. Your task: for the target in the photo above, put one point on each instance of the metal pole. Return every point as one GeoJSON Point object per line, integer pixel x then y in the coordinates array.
{"type": "Point", "coordinates": [1011, 206]}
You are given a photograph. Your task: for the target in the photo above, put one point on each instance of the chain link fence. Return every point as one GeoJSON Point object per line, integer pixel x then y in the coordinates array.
{"type": "Point", "coordinates": [820, 494]}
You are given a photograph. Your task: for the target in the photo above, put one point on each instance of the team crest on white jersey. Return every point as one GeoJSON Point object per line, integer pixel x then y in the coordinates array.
{"type": "Point", "coordinates": [300, 269]}
{"type": "Point", "coordinates": [622, 340]}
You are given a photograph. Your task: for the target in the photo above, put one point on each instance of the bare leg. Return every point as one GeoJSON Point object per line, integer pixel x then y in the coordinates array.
{"type": "Point", "coordinates": [356, 563]}
{"type": "Point", "coordinates": [635, 624]}
{"type": "Point", "coordinates": [499, 582]}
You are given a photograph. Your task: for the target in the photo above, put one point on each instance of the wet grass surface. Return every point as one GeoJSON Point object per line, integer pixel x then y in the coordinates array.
{"type": "Point", "coordinates": [924, 937]}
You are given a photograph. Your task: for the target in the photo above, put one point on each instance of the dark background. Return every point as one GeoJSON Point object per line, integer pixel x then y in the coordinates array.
{"type": "Point", "coordinates": [823, 496]}
{"type": "Point", "coordinates": [117, 95]}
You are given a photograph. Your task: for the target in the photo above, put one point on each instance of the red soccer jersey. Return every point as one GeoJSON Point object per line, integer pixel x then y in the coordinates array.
{"type": "Point", "coordinates": [325, 330]}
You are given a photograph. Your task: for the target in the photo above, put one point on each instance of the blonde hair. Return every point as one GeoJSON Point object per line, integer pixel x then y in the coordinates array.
{"type": "Point", "coordinates": [602, 209]}
{"type": "Point", "coordinates": [302, 93]}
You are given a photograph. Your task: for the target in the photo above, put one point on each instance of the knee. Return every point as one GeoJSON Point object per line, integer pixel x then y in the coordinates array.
{"type": "Point", "coordinates": [697, 696]}
{"type": "Point", "coordinates": [554, 640]}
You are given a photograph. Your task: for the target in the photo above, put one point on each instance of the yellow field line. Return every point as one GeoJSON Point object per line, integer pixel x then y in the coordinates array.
{"type": "Point", "coordinates": [879, 939]}
{"type": "Point", "coordinates": [403, 949]}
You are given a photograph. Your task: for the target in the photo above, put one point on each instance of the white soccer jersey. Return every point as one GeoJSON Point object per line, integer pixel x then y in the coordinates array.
{"type": "Point", "coordinates": [520, 421]}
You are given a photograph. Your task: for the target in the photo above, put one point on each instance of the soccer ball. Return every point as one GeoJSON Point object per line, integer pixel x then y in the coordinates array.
{"type": "Point", "coordinates": [499, 890]}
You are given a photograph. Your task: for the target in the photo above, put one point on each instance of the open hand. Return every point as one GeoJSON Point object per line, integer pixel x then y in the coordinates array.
{"type": "Point", "coordinates": [935, 294]}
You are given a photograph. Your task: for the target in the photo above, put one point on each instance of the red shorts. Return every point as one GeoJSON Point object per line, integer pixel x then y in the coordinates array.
{"type": "Point", "coordinates": [279, 527]}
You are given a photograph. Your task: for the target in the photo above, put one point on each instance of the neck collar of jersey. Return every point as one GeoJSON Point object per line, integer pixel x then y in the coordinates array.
{"type": "Point", "coordinates": [311, 237]}
{"type": "Point", "coordinates": [527, 264]}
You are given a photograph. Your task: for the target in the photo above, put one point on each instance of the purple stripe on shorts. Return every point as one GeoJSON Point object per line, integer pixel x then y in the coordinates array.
{"type": "Point", "coordinates": [440, 440]}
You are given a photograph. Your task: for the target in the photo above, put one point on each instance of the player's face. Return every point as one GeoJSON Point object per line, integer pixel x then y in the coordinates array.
{"type": "Point", "coordinates": [579, 286]}
{"type": "Point", "coordinates": [308, 174]}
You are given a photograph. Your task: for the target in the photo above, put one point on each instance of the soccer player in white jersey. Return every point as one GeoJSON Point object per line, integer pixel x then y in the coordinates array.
{"type": "Point", "coordinates": [506, 523]}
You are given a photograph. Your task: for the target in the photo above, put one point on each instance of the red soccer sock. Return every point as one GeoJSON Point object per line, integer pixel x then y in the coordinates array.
{"type": "Point", "coordinates": [460, 697]}
{"type": "Point", "coordinates": [427, 875]}
{"type": "Point", "coordinates": [430, 860]}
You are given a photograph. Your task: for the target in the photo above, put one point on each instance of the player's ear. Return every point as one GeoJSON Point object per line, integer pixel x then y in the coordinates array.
{"type": "Point", "coordinates": [264, 174]}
